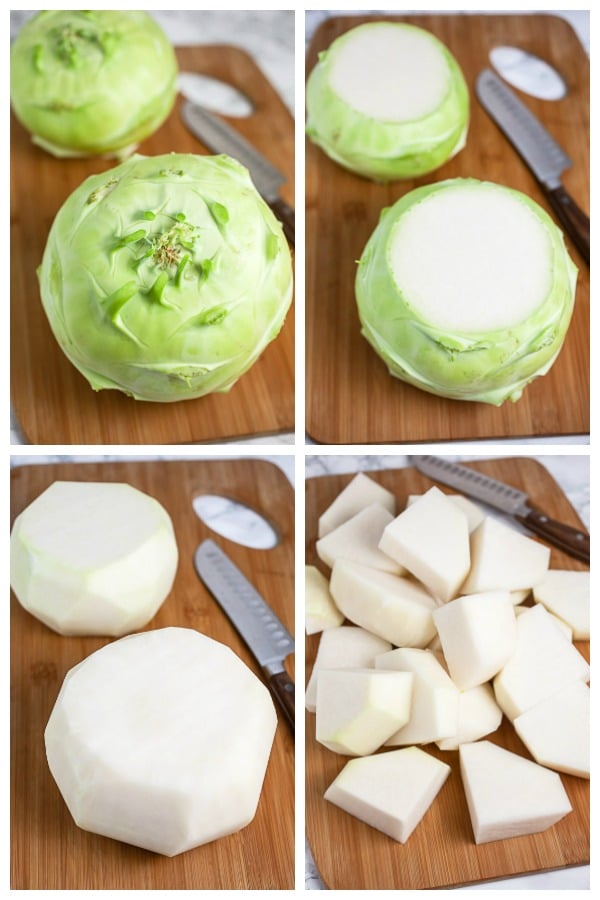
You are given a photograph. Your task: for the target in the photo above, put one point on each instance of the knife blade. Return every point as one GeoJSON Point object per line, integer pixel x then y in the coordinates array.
{"type": "Point", "coordinates": [262, 631]}
{"type": "Point", "coordinates": [539, 150]}
{"type": "Point", "coordinates": [220, 137]}
{"type": "Point", "coordinates": [509, 500]}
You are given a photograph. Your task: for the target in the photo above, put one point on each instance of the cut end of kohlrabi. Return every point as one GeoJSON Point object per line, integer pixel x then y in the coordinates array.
{"type": "Point", "coordinates": [166, 277]}
{"type": "Point", "coordinates": [92, 82]}
{"type": "Point", "coordinates": [388, 101]}
{"type": "Point", "coordinates": [465, 289]}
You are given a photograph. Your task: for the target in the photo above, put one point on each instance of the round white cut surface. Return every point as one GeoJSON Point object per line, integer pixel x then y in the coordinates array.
{"type": "Point", "coordinates": [93, 557]}
{"type": "Point", "coordinates": [391, 74]}
{"type": "Point", "coordinates": [472, 260]}
{"type": "Point", "coordinates": [161, 740]}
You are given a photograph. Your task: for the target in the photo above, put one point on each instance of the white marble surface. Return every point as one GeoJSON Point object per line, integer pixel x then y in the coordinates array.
{"type": "Point", "coordinates": [268, 35]}
{"type": "Point", "coordinates": [572, 473]}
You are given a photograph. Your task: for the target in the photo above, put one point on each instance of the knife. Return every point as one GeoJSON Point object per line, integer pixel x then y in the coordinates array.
{"type": "Point", "coordinates": [546, 159]}
{"type": "Point", "coordinates": [508, 499]}
{"type": "Point", "coordinates": [220, 137]}
{"type": "Point", "coordinates": [257, 624]}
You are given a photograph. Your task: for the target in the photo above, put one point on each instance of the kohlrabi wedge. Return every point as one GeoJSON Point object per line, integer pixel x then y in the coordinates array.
{"type": "Point", "coordinates": [465, 289]}
{"type": "Point", "coordinates": [87, 82]}
{"type": "Point", "coordinates": [388, 100]}
{"type": "Point", "coordinates": [166, 277]}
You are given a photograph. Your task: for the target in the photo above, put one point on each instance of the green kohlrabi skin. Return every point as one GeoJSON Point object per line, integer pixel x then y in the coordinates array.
{"type": "Point", "coordinates": [92, 82]}
{"type": "Point", "coordinates": [166, 277]}
{"type": "Point", "coordinates": [489, 367]}
{"type": "Point", "coordinates": [381, 150]}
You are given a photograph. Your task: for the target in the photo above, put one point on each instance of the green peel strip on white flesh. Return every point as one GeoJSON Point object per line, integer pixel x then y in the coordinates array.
{"type": "Point", "coordinates": [465, 290]}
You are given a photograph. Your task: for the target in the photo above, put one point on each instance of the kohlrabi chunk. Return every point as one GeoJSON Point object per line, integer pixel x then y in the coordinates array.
{"type": "Point", "coordinates": [478, 716]}
{"type": "Point", "coordinates": [465, 289]}
{"type": "Point", "coordinates": [161, 740]}
{"type": "Point", "coordinates": [435, 697]}
{"type": "Point", "coordinates": [567, 595]}
{"type": "Point", "coordinates": [358, 539]}
{"type": "Point", "coordinates": [508, 795]}
{"type": "Point", "coordinates": [503, 559]}
{"type": "Point", "coordinates": [397, 609]}
{"type": "Point", "coordinates": [89, 558]}
{"type": "Point", "coordinates": [475, 515]}
{"type": "Point", "coordinates": [388, 100]}
{"type": "Point", "coordinates": [562, 626]}
{"type": "Point", "coordinates": [345, 647]}
{"type": "Point", "coordinates": [431, 539]}
{"type": "Point", "coordinates": [320, 612]}
{"type": "Point", "coordinates": [166, 277]}
{"type": "Point", "coordinates": [87, 82]}
{"type": "Point", "coordinates": [359, 493]}
{"type": "Point", "coordinates": [358, 709]}
{"type": "Point", "coordinates": [478, 634]}
{"type": "Point", "coordinates": [390, 791]}
{"type": "Point", "coordinates": [543, 663]}
{"type": "Point", "coordinates": [556, 731]}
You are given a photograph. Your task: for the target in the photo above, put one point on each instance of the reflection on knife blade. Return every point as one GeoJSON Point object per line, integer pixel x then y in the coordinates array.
{"type": "Point", "coordinates": [220, 137]}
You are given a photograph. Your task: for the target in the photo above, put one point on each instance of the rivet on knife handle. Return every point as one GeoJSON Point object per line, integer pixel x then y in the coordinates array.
{"type": "Point", "coordinates": [571, 540]}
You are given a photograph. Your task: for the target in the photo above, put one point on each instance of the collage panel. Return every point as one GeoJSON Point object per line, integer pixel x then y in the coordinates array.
{"type": "Point", "coordinates": [447, 200]}
{"type": "Point", "coordinates": [447, 668]}
{"type": "Point", "coordinates": [152, 671]}
{"type": "Point", "coordinates": [154, 258]}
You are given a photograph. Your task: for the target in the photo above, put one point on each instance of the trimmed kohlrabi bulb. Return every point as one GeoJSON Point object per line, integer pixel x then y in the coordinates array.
{"type": "Point", "coordinates": [388, 101]}
{"type": "Point", "coordinates": [465, 289]}
{"type": "Point", "coordinates": [88, 82]}
{"type": "Point", "coordinates": [166, 277]}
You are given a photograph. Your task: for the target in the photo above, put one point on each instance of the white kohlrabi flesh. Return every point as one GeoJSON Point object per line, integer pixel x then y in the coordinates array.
{"type": "Point", "coordinates": [93, 558]}
{"type": "Point", "coordinates": [388, 100]}
{"type": "Point", "coordinates": [465, 289]}
{"type": "Point", "coordinates": [166, 277]}
{"type": "Point", "coordinates": [161, 740]}
{"type": "Point", "coordinates": [87, 82]}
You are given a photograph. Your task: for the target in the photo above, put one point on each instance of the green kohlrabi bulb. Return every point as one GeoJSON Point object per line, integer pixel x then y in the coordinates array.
{"type": "Point", "coordinates": [166, 277]}
{"type": "Point", "coordinates": [88, 82]}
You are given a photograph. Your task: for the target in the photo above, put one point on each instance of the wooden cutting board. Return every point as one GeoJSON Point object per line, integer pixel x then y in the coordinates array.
{"type": "Point", "coordinates": [49, 852]}
{"type": "Point", "coordinates": [441, 852]}
{"type": "Point", "coordinates": [350, 397]}
{"type": "Point", "coordinates": [54, 403]}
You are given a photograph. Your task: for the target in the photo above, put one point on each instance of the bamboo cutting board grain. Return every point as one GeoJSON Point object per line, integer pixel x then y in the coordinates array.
{"type": "Point", "coordinates": [52, 401]}
{"type": "Point", "coordinates": [441, 852]}
{"type": "Point", "coordinates": [49, 852]}
{"type": "Point", "coordinates": [350, 397]}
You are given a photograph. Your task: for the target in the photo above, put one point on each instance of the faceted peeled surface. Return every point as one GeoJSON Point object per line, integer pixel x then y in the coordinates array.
{"type": "Point", "coordinates": [161, 740]}
{"type": "Point", "coordinates": [472, 260]}
{"type": "Point", "coordinates": [93, 558]}
{"type": "Point", "coordinates": [390, 73]}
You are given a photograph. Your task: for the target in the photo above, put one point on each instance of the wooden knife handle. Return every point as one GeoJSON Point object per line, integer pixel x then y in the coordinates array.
{"type": "Point", "coordinates": [573, 541]}
{"type": "Point", "coordinates": [572, 218]}
{"type": "Point", "coordinates": [286, 216]}
{"type": "Point", "coordinates": [283, 690]}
